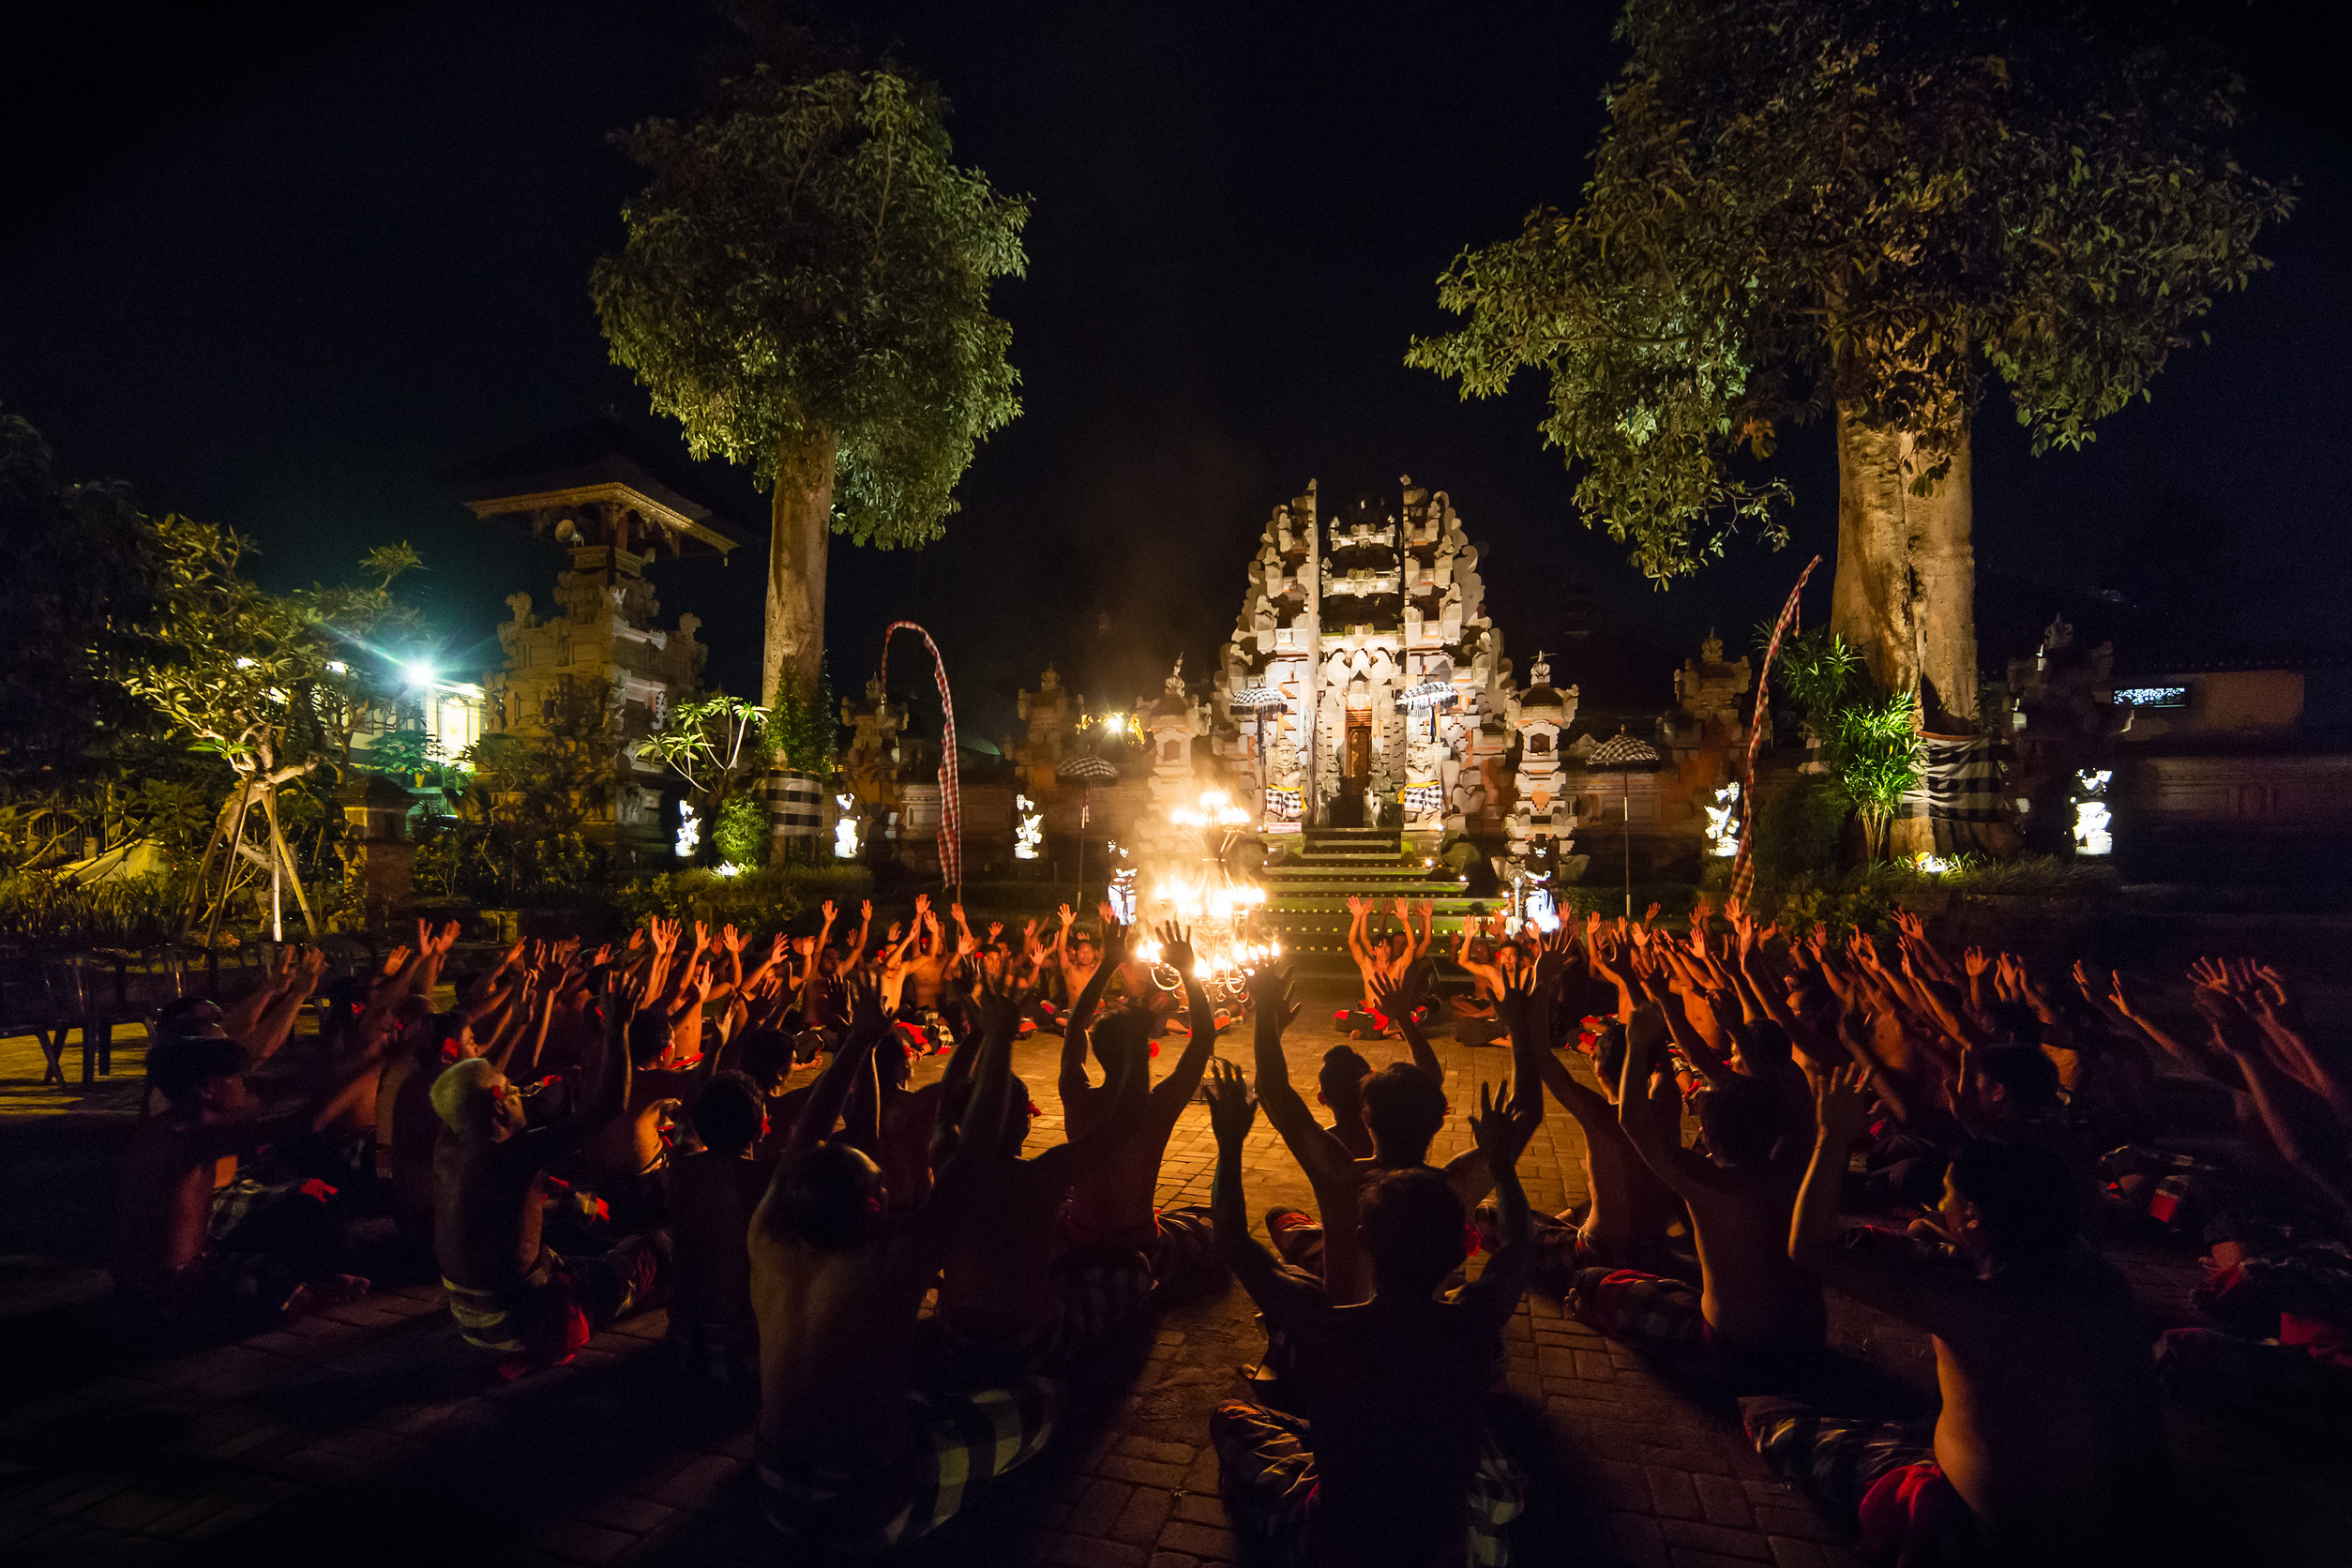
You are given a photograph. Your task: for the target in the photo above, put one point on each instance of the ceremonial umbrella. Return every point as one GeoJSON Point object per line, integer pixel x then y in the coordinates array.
{"type": "Point", "coordinates": [1088, 770]}
{"type": "Point", "coordinates": [1621, 754]}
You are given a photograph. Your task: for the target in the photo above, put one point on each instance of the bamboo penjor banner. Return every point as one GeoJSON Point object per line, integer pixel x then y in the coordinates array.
{"type": "Point", "coordinates": [1743, 867]}
{"type": "Point", "coordinates": [951, 802]}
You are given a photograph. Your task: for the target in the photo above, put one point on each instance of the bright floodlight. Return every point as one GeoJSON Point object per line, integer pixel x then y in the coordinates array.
{"type": "Point", "coordinates": [417, 672]}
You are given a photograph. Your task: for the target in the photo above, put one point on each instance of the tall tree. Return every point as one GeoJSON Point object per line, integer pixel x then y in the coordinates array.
{"type": "Point", "coordinates": [804, 288]}
{"type": "Point", "coordinates": [1859, 209]}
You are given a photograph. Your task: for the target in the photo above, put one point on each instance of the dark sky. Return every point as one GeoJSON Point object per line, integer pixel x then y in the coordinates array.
{"type": "Point", "coordinates": [280, 270]}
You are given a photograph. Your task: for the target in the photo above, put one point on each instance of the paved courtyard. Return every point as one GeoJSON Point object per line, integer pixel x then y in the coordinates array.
{"type": "Point", "coordinates": [373, 1435]}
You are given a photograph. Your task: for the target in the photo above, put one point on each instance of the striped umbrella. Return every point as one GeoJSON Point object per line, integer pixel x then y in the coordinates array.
{"type": "Point", "coordinates": [1088, 770]}
{"type": "Point", "coordinates": [1620, 754]}
{"type": "Point", "coordinates": [950, 796]}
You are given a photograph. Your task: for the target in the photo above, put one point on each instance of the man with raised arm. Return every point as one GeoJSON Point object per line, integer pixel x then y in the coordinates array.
{"type": "Point", "coordinates": [510, 1294]}
{"type": "Point", "coordinates": [1115, 1208]}
{"type": "Point", "coordinates": [1751, 1299]}
{"type": "Point", "coordinates": [1403, 1106]}
{"type": "Point", "coordinates": [182, 1254]}
{"type": "Point", "coordinates": [1391, 1462]}
{"type": "Point", "coordinates": [852, 1457]}
{"type": "Point", "coordinates": [2050, 1446]}
{"type": "Point", "coordinates": [1006, 1302]}
{"type": "Point", "coordinates": [1388, 960]}
{"type": "Point", "coordinates": [1626, 1219]}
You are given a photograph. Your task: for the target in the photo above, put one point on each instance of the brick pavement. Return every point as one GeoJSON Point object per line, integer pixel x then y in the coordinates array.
{"type": "Point", "coordinates": [372, 1434]}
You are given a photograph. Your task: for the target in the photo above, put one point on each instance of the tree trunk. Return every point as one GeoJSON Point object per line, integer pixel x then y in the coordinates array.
{"type": "Point", "coordinates": [800, 532]}
{"type": "Point", "coordinates": [1905, 591]}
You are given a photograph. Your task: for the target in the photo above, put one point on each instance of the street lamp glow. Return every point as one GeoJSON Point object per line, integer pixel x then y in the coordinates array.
{"type": "Point", "coordinates": [418, 673]}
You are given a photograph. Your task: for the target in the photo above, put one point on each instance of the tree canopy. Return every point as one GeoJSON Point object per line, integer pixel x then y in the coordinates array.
{"type": "Point", "coordinates": [1865, 205]}
{"type": "Point", "coordinates": [809, 268]}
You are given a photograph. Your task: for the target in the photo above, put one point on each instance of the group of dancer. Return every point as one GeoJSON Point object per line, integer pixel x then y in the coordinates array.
{"type": "Point", "coordinates": [733, 1131]}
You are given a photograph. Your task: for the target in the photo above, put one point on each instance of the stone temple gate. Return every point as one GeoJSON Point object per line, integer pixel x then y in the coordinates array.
{"type": "Point", "coordinates": [1365, 656]}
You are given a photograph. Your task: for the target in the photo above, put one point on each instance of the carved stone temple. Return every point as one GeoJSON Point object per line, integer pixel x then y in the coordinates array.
{"type": "Point", "coordinates": [610, 504]}
{"type": "Point", "coordinates": [1365, 656]}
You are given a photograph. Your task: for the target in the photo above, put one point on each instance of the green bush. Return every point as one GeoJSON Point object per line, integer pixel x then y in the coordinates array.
{"type": "Point", "coordinates": [742, 834]}
{"type": "Point", "coordinates": [758, 903]}
{"type": "Point", "coordinates": [39, 908]}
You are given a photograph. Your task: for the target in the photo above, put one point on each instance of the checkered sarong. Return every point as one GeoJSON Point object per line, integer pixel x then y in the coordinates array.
{"type": "Point", "coordinates": [1560, 1251]}
{"type": "Point", "coordinates": [1649, 1312]}
{"type": "Point", "coordinates": [1883, 1473]}
{"type": "Point", "coordinates": [1267, 1458]}
{"type": "Point", "coordinates": [1095, 1289]}
{"type": "Point", "coordinates": [1185, 1254]}
{"type": "Point", "coordinates": [961, 1441]}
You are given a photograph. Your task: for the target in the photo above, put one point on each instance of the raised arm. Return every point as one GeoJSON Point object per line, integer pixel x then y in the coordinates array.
{"type": "Point", "coordinates": [980, 1130]}
{"type": "Point", "coordinates": [1397, 999]}
{"type": "Point", "coordinates": [276, 1023]}
{"type": "Point", "coordinates": [604, 1104]}
{"type": "Point", "coordinates": [1501, 1131]}
{"type": "Point", "coordinates": [1231, 1113]}
{"type": "Point", "coordinates": [850, 1060]}
{"type": "Point", "coordinates": [1319, 1153]}
{"type": "Point", "coordinates": [1173, 1093]}
{"type": "Point", "coordinates": [1644, 1119]}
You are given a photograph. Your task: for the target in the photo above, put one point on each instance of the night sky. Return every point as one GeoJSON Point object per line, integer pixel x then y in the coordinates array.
{"type": "Point", "coordinates": [279, 270]}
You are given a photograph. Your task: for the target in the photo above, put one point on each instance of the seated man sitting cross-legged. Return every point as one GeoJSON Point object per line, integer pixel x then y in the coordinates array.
{"type": "Point", "coordinates": [1387, 1460]}
{"type": "Point", "coordinates": [511, 1293]}
{"type": "Point", "coordinates": [852, 1457]}
{"type": "Point", "coordinates": [2050, 1446]}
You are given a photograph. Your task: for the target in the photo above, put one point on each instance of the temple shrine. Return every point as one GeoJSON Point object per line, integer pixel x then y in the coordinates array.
{"type": "Point", "coordinates": [1365, 658]}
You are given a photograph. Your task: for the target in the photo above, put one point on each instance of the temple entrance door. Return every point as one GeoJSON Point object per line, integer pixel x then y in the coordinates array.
{"type": "Point", "coordinates": [1346, 806]}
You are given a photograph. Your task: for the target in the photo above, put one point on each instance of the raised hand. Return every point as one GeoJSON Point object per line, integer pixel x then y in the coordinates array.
{"type": "Point", "coordinates": [922, 905]}
{"type": "Point", "coordinates": [1270, 994]}
{"type": "Point", "coordinates": [395, 961]}
{"type": "Point", "coordinates": [1976, 961]}
{"type": "Point", "coordinates": [1355, 905]}
{"type": "Point", "coordinates": [1066, 914]}
{"type": "Point", "coordinates": [1650, 915]}
{"type": "Point", "coordinates": [1841, 1105]}
{"type": "Point", "coordinates": [866, 1003]}
{"type": "Point", "coordinates": [996, 1007]}
{"type": "Point", "coordinates": [827, 910]}
{"type": "Point", "coordinates": [996, 930]}
{"type": "Point", "coordinates": [1231, 1109]}
{"type": "Point", "coordinates": [1501, 1126]}
{"type": "Point", "coordinates": [1176, 949]}
{"type": "Point", "coordinates": [730, 939]}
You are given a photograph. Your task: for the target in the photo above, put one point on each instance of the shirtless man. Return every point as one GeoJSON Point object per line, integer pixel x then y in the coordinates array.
{"type": "Point", "coordinates": [1404, 1106]}
{"type": "Point", "coordinates": [1006, 1302]}
{"type": "Point", "coordinates": [1751, 1298]}
{"type": "Point", "coordinates": [1112, 1209]}
{"type": "Point", "coordinates": [712, 1194]}
{"type": "Point", "coordinates": [852, 1457]}
{"type": "Point", "coordinates": [633, 1148]}
{"type": "Point", "coordinates": [1391, 958]}
{"type": "Point", "coordinates": [510, 1294]}
{"type": "Point", "coordinates": [1625, 1220]}
{"type": "Point", "coordinates": [1398, 1466]}
{"type": "Point", "coordinates": [165, 1265]}
{"type": "Point", "coordinates": [1074, 952]}
{"type": "Point", "coordinates": [2050, 1447]}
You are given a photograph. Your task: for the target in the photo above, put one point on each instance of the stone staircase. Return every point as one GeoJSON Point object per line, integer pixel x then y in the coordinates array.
{"type": "Point", "coordinates": [1307, 892]}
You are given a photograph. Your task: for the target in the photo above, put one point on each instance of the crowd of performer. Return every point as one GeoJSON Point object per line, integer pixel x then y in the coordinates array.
{"type": "Point", "coordinates": [733, 1131]}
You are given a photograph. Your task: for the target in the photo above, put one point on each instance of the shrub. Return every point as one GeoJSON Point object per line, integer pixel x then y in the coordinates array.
{"type": "Point", "coordinates": [39, 908]}
{"type": "Point", "coordinates": [758, 903]}
{"type": "Point", "coordinates": [741, 834]}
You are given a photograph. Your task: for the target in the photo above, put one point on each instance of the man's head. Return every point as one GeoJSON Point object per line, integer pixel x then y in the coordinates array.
{"type": "Point", "coordinates": [649, 1038]}
{"type": "Point", "coordinates": [1808, 996]}
{"type": "Point", "coordinates": [204, 1073]}
{"type": "Point", "coordinates": [1118, 1037]}
{"type": "Point", "coordinates": [766, 1055]}
{"type": "Point", "coordinates": [344, 1000]}
{"type": "Point", "coordinates": [1741, 1118]}
{"type": "Point", "coordinates": [449, 1038]}
{"type": "Point", "coordinates": [469, 987]}
{"type": "Point", "coordinates": [1403, 1109]}
{"type": "Point", "coordinates": [832, 1196]}
{"type": "Point", "coordinates": [2014, 1020]}
{"type": "Point", "coordinates": [731, 1115]}
{"type": "Point", "coordinates": [1082, 949]}
{"type": "Point", "coordinates": [2010, 1205]}
{"type": "Point", "coordinates": [1341, 1084]}
{"type": "Point", "coordinates": [1394, 945]}
{"type": "Point", "coordinates": [2019, 1080]}
{"type": "Point", "coordinates": [1411, 1223]}
{"type": "Point", "coordinates": [188, 1017]}
{"type": "Point", "coordinates": [474, 1101]}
